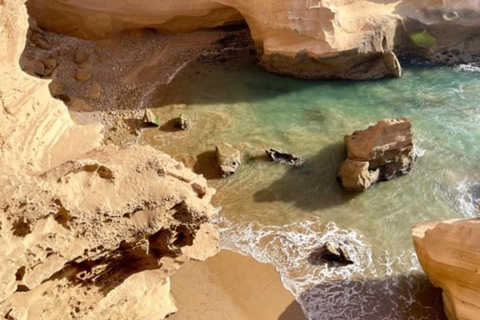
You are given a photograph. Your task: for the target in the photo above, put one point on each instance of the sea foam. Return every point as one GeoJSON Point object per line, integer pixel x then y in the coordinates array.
{"type": "Point", "coordinates": [374, 287]}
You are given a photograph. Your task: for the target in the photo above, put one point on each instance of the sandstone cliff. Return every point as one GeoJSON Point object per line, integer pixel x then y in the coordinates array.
{"type": "Point", "coordinates": [351, 39]}
{"type": "Point", "coordinates": [101, 227]}
{"type": "Point", "coordinates": [449, 252]}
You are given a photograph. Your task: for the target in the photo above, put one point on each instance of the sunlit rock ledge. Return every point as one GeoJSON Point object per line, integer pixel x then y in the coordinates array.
{"type": "Point", "coordinates": [355, 39]}
{"type": "Point", "coordinates": [449, 252]}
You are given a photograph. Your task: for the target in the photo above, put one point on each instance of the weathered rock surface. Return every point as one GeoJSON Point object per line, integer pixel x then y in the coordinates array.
{"type": "Point", "coordinates": [284, 158]}
{"type": "Point", "coordinates": [449, 252]}
{"type": "Point", "coordinates": [87, 231]}
{"type": "Point", "coordinates": [379, 153]}
{"type": "Point", "coordinates": [228, 159]}
{"type": "Point", "coordinates": [356, 175]}
{"type": "Point", "coordinates": [310, 39]}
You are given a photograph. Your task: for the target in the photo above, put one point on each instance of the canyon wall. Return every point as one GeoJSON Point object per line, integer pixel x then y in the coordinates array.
{"type": "Point", "coordinates": [351, 39]}
{"type": "Point", "coordinates": [101, 227]}
{"type": "Point", "coordinates": [449, 252]}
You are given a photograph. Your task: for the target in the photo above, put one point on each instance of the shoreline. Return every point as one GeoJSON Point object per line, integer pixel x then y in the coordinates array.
{"type": "Point", "coordinates": [232, 286]}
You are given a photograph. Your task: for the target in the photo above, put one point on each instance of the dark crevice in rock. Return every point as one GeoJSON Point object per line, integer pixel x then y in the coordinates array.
{"type": "Point", "coordinates": [21, 227]}
{"type": "Point", "coordinates": [20, 273]}
{"type": "Point", "coordinates": [63, 215]}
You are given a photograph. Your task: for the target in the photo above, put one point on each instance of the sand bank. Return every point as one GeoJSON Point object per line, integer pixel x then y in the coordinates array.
{"type": "Point", "coordinates": [234, 287]}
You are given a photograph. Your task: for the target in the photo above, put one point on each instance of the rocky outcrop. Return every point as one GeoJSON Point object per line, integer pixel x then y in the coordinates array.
{"type": "Point", "coordinates": [228, 158]}
{"type": "Point", "coordinates": [379, 153]}
{"type": "Point", "coordinates": [330, 253]}
{"type": "Point", "coordinates": [449, 252]}
{"type": "Point", "coordinates": [87, 231]}
{"type": "Point", "coordinates": [99, 233]}
{"type": "Point", "coordinates": [310, 39]}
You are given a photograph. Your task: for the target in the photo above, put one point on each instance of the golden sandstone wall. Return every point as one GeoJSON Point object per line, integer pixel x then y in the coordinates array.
{"type": "Point", "coordinates": [87, 231]}
{"type": "Point", "coordinates": [350, 39]}
{"type": "Point", "coordinates": [449, 252]}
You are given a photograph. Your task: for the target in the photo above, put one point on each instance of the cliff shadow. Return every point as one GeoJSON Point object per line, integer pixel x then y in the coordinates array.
{"type": "Point", "coordinates": [206, 164]}
{"type": "Point", "coordinates": [313, 186]}
{"type": "Point", "coordinates": [293, 312]}
{"type": "Point", "coordinates": [403, 297]}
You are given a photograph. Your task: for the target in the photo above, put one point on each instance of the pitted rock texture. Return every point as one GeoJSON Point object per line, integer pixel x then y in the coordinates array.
{"type": "Point", "coordinates": [87, 231]}
{"type": "Point", "coordinates": [94, 223]}
{"type": "Point", "coordinates": [449, 252]}
{"type": "Point", "coordinates": [379, 153]}
{"type": "Point", "coordinates": [353, 39]}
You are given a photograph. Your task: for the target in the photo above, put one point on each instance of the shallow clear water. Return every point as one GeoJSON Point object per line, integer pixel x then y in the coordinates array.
{"type": "Point", "coordinates": [280, 214]}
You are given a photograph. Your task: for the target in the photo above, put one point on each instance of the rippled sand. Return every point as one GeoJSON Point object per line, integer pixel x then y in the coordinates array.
{"type": "Point", "coordinates": [280, 215]}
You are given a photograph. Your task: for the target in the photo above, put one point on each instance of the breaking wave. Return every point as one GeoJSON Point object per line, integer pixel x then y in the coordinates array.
{"type": "Point", "coordinates": [374, 287]}
{"type": "Point", "coordinates": [468, 67]}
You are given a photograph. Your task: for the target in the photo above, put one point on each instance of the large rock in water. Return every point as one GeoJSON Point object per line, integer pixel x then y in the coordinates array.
{"type": "Point", "coordinates": [228, 158]}
{"type": "Point", "coordinates": [87, 232]}
{"type": "Point", "coordinates": [449, 252]}
{"type": "Point", "coordinates": [381, 152]}
{"type": "Point", "coordinates": [353, 39]}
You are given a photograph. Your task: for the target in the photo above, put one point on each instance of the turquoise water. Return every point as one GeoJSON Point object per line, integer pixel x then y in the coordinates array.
{"type": "Point", "coordinates": [280, 214]}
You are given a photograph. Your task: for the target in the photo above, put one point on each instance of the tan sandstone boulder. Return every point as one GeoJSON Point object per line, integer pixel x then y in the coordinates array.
{"type": "Point", "coordinates": [228, 158]}
{"type": "Point", "coordinates": [381, 152]}
{"type": "Point", "coordinates": [449, 252]}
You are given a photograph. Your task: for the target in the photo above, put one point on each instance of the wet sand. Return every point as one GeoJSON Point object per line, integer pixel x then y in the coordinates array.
{"type": "Point", "coordinates": [234, 287]}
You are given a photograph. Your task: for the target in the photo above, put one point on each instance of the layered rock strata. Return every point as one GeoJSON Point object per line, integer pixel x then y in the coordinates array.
{"type": "Point", "coordinates": [310, 39]}
{"type": "Point", "coordinates": [449, 252]}
{"type": "Point", "coordinates": [87, 231]}
{"type": "Point", "coordinates": [379, 153]}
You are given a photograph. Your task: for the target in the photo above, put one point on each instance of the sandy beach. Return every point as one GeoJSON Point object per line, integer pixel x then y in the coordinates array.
{"type": "Point", "coordinates": [232, 286]}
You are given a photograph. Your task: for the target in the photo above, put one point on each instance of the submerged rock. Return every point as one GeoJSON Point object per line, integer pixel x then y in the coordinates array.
{"type": "Point", "coordinates": [449, 252]}
{"type": "Point", "coordinates": [379, 153]}
{"type": "Point", "coordinates": [181, 122]}
{"type": "Point", "coordinates": [284, 158]}
{"type": "Point", "coordinates": [228, 159]}
{"type": "Point", "coordinates": [150, 118]}
{"type": "Point", "coordinates": [331, 253]}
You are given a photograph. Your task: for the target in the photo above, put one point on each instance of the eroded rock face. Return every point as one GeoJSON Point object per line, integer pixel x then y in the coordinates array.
{"type": "Point", "coordinates": [228, 158]}
{"type": "Point", "coordinates": [94, 224]}
{"type": "Point", "coordinates": [310, 39]}
{"type": "Point", "coordinates": [379, 153]}
{"type": "Point", "coordinates": [449, 252]}
{"type": "Point", "coordinates": [86, 231]}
